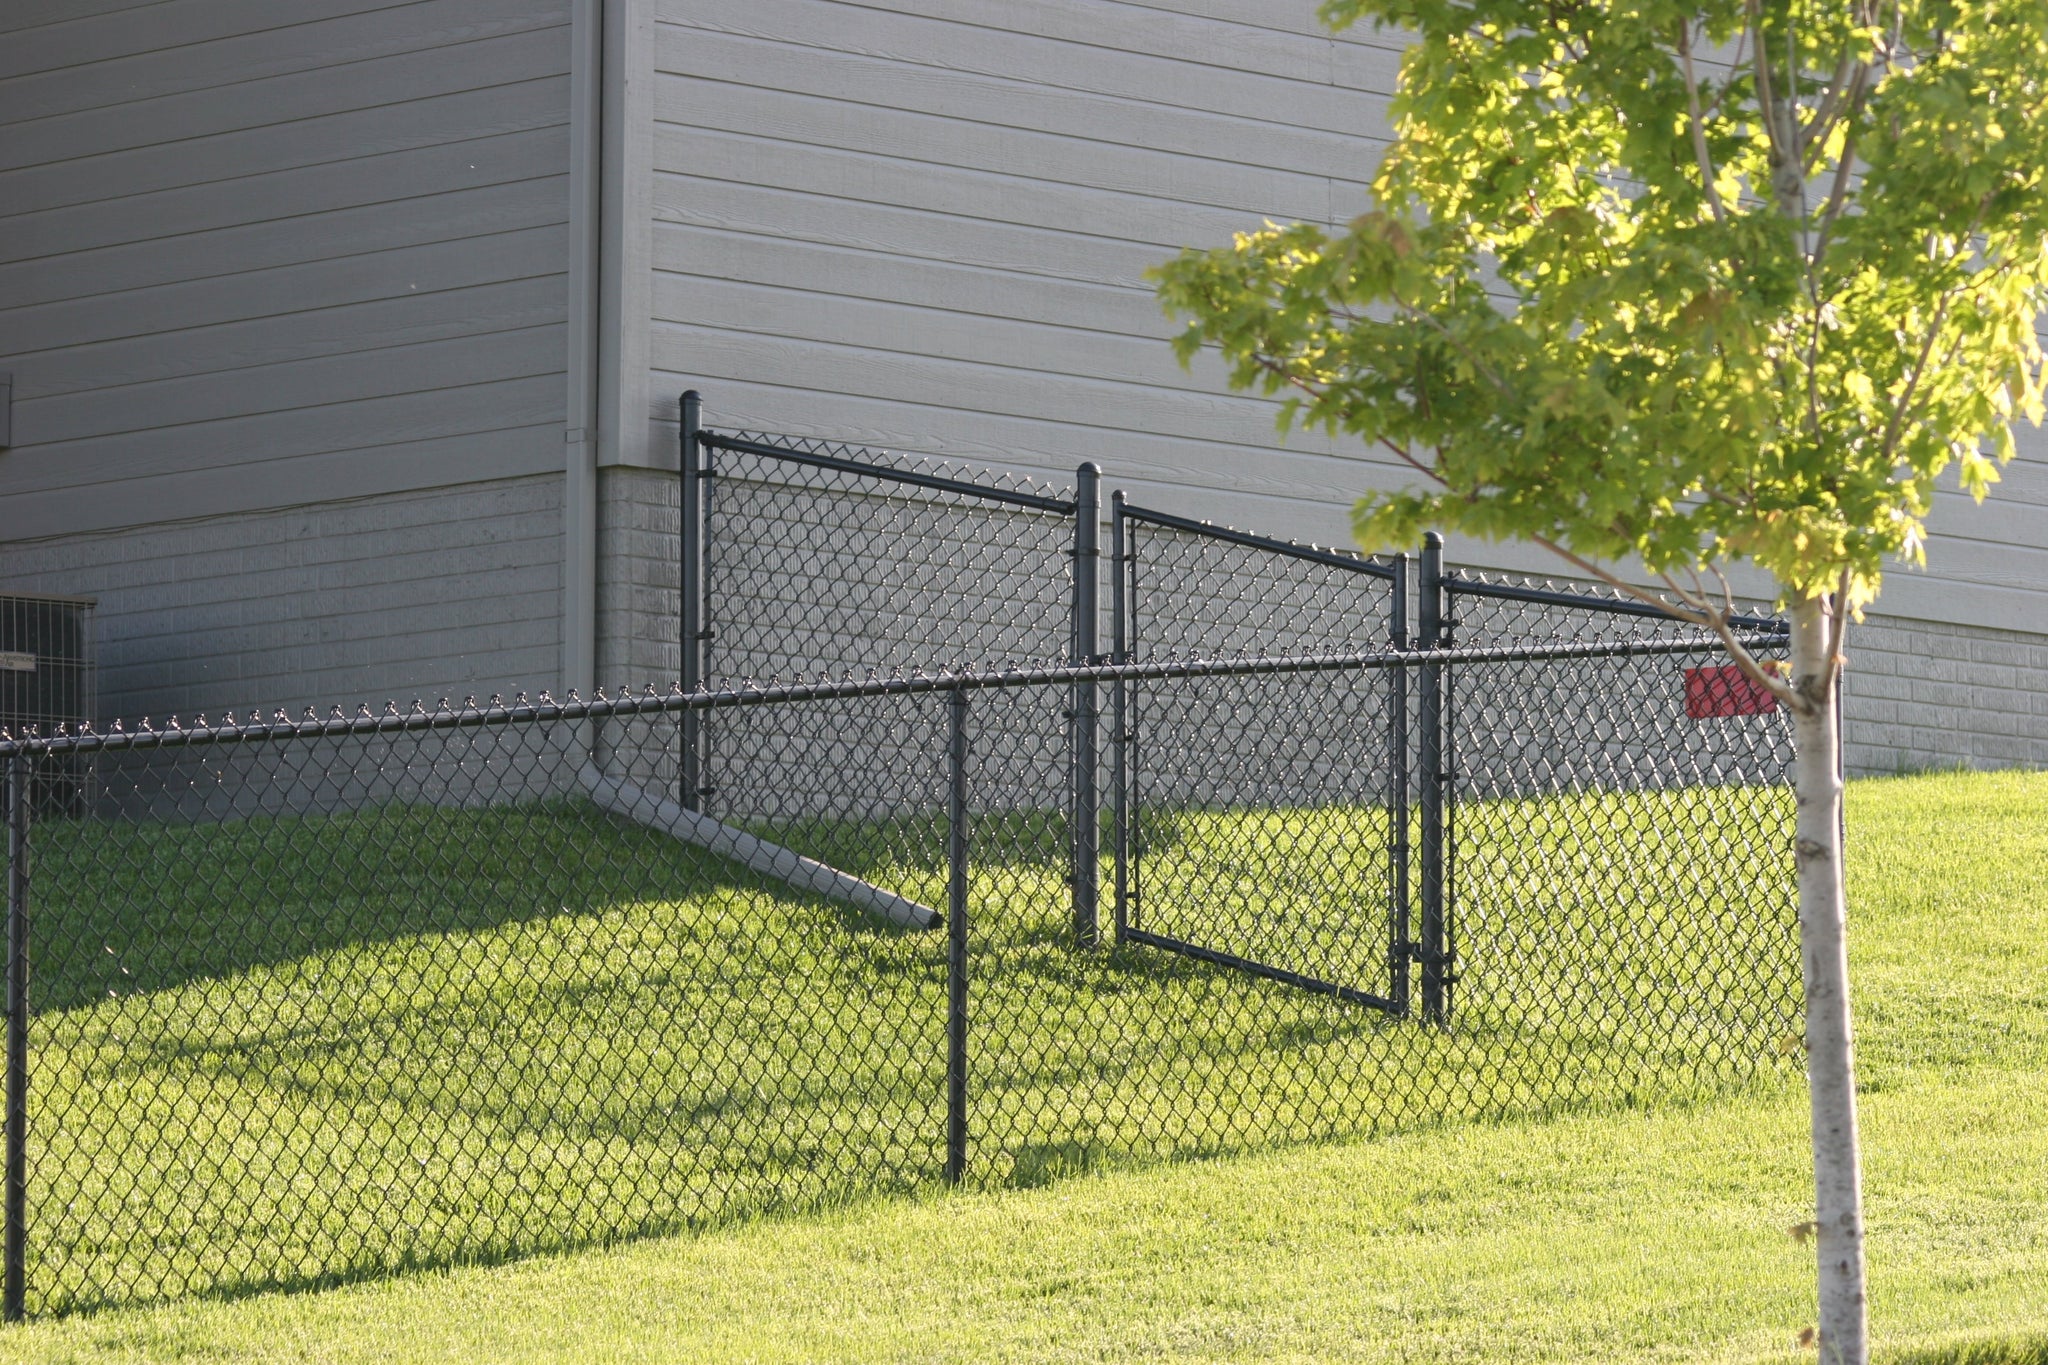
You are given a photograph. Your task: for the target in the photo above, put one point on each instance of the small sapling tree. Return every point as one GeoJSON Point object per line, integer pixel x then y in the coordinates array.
{"type": "Point", "coordinates": [1684, 285]}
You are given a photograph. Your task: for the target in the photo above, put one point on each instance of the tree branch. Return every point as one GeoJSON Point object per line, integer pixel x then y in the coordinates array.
{"type": "Point", "coordinates": [1425, 470]}
{"type": "Point", "coordinates": [1410, 310]}
{"type": "Point", "coordinates": [1703, 612]}
{"type": "Point", "coordinates": [1815, 133]}
{"type": "Point", "coordinates": [1838, 192]}
{"type": "Point", "coordinates": [1734, 61]}
{"type": "Point", "coordinates": [1718, 622]}
{"type": "Point", "coordinates": [1699, 131]}
{"type": "Point", "coordinates": [1697, 617]}
{"type": "Point", "coordinates": [1786, 186]}
{"type": "Point", "coordinates": [1752, 667]}
{"type": "Point", "coordinates": [1896, 426]}
{"type": "Point", "coordinates": [1727, 592]}
{"type": "Point", "coordinates": [1838, 627]}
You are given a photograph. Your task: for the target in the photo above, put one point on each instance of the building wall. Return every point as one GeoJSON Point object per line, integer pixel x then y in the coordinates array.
{"type": "Point", "coordinates": [260, 266]}
{"type": "Point", "coordinates": [429, 594]}
{"type": "Point", "coordinates": [925, 224]}
{"type": "Point", "coordinates": [259, 262]}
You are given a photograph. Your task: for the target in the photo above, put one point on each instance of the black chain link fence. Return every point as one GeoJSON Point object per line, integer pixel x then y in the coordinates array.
{"type": "Point", "coordinates": [1617, 827]}
{"type": "Point", "coordinates": [321, 999]}
{"type": "Point", "coordinates": [824, 561]}
{"type": "Point", "coordinates": [1260, 819]}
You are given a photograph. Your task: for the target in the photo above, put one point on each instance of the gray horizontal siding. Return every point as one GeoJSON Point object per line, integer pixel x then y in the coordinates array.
{"type": "Point", "coordinates": [925, 223]}
{"type": "Point", "coordinates": [255, 255]}
{"type": "Point", "coordinates": [144, 51]}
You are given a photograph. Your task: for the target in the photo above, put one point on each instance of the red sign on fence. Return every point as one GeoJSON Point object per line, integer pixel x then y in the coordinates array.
{"type": "Point", "coordinates": [1725, 690]}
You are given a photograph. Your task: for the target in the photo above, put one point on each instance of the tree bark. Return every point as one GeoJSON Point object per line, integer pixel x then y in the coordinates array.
{"type": "Point", "coordinates": [1830, 1052]}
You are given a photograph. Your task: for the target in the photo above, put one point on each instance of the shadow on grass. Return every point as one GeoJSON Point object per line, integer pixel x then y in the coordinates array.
{"type": "Point", "coordinates": [584, 1033]}
{"type": "Point", "coordinates": [369, 1269]}
{"type": "Point", "coordinates": [1037, 1165]}
{"type": "Point", "coordinates": [121, 909]}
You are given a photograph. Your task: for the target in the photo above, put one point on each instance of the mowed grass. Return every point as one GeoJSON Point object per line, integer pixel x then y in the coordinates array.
{"type": "Point", "coordinates": [1617, 1233]}
{"type": "Point", "coordinates": [286, 1053]}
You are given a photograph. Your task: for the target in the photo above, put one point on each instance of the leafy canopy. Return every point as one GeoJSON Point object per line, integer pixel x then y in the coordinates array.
{"type": "Point", "coordinates": [1689, 282]}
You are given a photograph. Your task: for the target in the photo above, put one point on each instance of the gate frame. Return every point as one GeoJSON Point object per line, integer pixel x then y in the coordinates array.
{"type": "Point", "coordinates": [1440, 589]}
{"type": "Point", "coordinates": [1124, 783]}
{"type": "Point", "coordinates": [696, 628]}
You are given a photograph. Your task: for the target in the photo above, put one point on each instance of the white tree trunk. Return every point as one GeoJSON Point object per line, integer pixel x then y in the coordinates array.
{"type": "Point", "coordinates": [1830, 1053]}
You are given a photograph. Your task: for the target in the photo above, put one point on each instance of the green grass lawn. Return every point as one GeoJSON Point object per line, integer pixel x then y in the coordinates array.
{"type": "Point", "coordinates": [1620, 1231]}
{"type": "Point", "coordinates": [281, 1053]}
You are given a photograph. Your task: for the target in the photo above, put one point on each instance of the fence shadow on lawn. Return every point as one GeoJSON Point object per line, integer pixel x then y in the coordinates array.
{"type": "Point", "coordinates": [428, 1036]}
{"type": "Point", "coordinates": [290, 1051]}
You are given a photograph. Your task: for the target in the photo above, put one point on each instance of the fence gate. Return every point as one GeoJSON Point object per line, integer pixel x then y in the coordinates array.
{"type": "Point", "coordinates": [1313, 892]}
{"type": "Point", "coordinates": [807, 560]}
{"type": "Point", "coordinates": [1609, 783]}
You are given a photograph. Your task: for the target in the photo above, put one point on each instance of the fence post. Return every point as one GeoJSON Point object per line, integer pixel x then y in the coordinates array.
{"type": "Point", "coordinates": [956, 936]}
{"type": "Point", "coordinates": [1399, 945]}
{"type": "Point", "coordinates": [1087, 649]}
{"type": "Point", "coordinates": [1430, 757]}
{"type": "Point", "coordinates": [1120, 716]}
{"type": "Point", "coordinates": [690, 628]}
{"type": "Point", "coordinates": [14, 1278]}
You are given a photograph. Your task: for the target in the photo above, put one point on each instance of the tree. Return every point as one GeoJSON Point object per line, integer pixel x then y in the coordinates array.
{"type": "Point", "coordinates": [1686, 284]}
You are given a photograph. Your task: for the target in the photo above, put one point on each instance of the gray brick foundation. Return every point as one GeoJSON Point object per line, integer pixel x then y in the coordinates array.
{"type": "Point", "coordinates": [427, 594]}
{"type": "Point", "coordinates": [638, 577]}
{"type": "Point", "coordinates": [1924, 694]}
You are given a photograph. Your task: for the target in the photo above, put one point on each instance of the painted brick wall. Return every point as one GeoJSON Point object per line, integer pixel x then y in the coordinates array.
{"type": "Point", "coordinates": [441, 592]}
{"type": "Point", "coordinates": [1925, 694]}
{"type": "Point", "coordinates": [638, 521]}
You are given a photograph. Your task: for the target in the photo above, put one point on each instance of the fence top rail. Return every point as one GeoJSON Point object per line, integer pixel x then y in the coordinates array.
{"type": "Point", "coordinates": [545, 708]}
{"type": "Point", "coordinates": [1040, 502]}
{"type": "Point", "coordinates": [1457, 582]}
{"type": "Point", "coordinates": [1313, 553]}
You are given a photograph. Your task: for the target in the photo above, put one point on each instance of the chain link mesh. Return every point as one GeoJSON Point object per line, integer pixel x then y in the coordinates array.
{"type": "Point", "coordinates": [1205, 592]}
{"type": "Point", "coordinates": [333, 1006]}
{"type": "Point", "coordinates": [1618, 834]}
{"type": "Point", "coordinates": [829, 561]}
{"type": "Point", "coordinates": [841, 570]}
{"type": "Point", "coordinates": [1264, 812]}
{"type": "Point", "coordinates": [321, 1000]}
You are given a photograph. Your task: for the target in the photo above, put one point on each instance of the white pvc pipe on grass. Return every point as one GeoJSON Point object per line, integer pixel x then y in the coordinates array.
{"type": "Point", "coordinates": [772, 860]}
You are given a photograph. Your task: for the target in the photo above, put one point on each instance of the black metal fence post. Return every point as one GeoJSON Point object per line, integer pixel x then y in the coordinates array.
{"type": "Point", "coordinates": [1399, 946]}
{"type": "Point", "coordinates": [14, 1279]}
{"type": "Point", "coordinates": [1087, 648]}
{"type": "Point", "coordinates": [1430, 757]}
{"type": "Point", "coordinates": [1447, 786]}
{"type": "Point", "coordinates": [690, 627]}
{"type": "Point", "coordinates": [1119, 702]}
{"type": "Point", "coordinates": [956, 936]}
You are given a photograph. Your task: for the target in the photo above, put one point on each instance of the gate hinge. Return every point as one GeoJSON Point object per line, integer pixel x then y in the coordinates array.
{"type": "Point", "coordinates": [1446, 961]}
